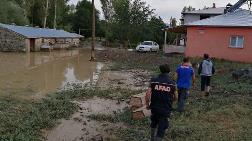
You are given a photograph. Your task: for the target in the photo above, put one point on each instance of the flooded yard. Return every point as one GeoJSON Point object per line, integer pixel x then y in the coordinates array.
{"type": "Point", "coordinates": [81, 128]}
{"type": "Point", "coordinates": [33, 75]}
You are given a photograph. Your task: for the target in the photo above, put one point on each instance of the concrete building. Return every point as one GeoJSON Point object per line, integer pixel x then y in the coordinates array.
{"type": "Point", "coordinates": [178, 46]}
{"type": "Point", "coordinates": [196, 15]}
{"type": "Point", "coordinates": [27, 39]}
{"type": "Point", "coordinates": [226, 37]}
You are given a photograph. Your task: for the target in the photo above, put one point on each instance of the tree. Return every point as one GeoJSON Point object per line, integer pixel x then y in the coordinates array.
{"type": "Point", "coordinates": [121, 20]}
{"type": "Point", "coordinates": [11, 12]}
{"type": "Point", "coordinates": [59, 14]}
{"type": "Point", "coordinates": [46, 13]}
{"type": "Point", "coordinates": [127, 20]}
{"type": "Point", "coordinates": [83, 18]}
{"type": "Point", "coordinates": [188, 9]}
{"type": "Point", "coordinates": [155, 25]}
{"type": "Point", "coordinates": [173, 22]}
{"type": "Point", "coordinates": [108, 12]}
{"type": "Point", "coordinates": [107, 9]}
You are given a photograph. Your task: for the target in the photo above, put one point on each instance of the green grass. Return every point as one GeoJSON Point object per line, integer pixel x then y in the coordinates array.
{"type": "Point", "coordinates": [22, 120]}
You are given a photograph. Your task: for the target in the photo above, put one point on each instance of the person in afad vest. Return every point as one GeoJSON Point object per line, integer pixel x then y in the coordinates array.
{"type": "Point", "coordinates": [159, 99]}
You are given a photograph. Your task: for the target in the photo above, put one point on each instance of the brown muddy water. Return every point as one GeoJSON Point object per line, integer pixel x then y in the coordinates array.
{"type": "Point", "coordinates": [80, 128]}
{"type": "Point", "coordinates": [33, 75]}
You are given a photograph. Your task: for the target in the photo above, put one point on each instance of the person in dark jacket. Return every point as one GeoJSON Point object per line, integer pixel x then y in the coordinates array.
{"type": "Point", "coordinates": [159, 99]}
{"type": "Point", "coordinates": [206, 70]}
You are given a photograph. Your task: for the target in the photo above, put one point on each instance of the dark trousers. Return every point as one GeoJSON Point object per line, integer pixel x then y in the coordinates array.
{"type": "Point", "coordinates": [205, 81]}
{"type": "Point", "coordinates": [182, 96]}
{"type": "Point", "coordinates": [161, 123]}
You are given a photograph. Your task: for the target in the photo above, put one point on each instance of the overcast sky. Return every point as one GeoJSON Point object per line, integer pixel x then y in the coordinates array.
{"type": "Point", "coordinates": [167, 8]}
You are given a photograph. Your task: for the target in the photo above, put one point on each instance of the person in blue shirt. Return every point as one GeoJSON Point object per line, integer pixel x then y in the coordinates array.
{"type": "Point", "coordinates": [185, 79]}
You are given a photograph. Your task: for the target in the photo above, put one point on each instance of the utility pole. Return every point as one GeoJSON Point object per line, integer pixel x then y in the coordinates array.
{"type": "Point", "coordinates": [93, 34]}
{"type": "Point", "coordinates": [55, 15]}
{"type": "Point", "coordinates": [46, 13]}
{"type": "Point", "coordinates": [165, 39]}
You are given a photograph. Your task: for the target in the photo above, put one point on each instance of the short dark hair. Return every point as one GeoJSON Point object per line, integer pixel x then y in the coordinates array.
{"type": "Point", "coordinates": [206, 56]}
{"type": "Point", "coordinates": [186, 60]}
{"type": "Point", "coordinates": [164, 68]}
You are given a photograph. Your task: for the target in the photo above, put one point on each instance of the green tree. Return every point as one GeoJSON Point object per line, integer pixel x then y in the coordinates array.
{"type": "Point", "coordinates": [155, 25]}
{"type": "Point", "coordinates": [128, 20]}
{"type": "Point", "coordinates": [173, 22]}
{"type": "Point", "coordinates": [188, 9]}
{"type": "Point", "coordinates": [83, 18]}
{"type": "Point", "coordinates": [11, 12]}
{"type": "Point", "coordinates": [62, 13]}
{"type": "Point", "coordinates": [121, 20]}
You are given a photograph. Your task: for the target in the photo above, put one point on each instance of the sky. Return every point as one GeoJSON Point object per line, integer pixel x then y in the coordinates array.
{"type": "Point", "coordinates": [172, 8]}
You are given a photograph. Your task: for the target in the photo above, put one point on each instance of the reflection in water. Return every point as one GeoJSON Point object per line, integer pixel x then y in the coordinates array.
{"type": "Point", "coordinates": [33, 75]}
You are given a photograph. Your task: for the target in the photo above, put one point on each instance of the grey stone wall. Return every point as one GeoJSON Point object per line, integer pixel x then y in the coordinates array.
{"type": "Point", "coordinates": [10, 41]}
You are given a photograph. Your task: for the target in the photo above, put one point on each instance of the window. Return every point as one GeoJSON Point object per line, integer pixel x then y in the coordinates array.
{"type": "Point", "coordinates": [201, 31]}
{"type": "Point", "coordinates": [236, 41]}
{"type": "Point", "coordinates": [146, 43]}
{"type": "Point", "coordinates": [202, 17]}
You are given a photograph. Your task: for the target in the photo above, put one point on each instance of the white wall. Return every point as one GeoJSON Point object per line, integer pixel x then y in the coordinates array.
{"type": "Point", "coordinates": [188, 18]}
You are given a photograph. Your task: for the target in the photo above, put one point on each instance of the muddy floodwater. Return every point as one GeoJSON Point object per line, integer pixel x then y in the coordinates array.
{"type": "Point", "coordinates": [33, 75]}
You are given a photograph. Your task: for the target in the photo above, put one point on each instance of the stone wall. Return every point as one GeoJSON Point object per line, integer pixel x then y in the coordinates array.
{"type": "Point", "coordinates": [38, 44]}
{"type": "Point", "coordinates": [66, 43]}
{"type": "Point", "coordinates": [10, 41]}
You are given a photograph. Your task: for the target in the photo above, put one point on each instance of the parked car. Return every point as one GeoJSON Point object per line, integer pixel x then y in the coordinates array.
{"type": "Point", "coordinates": [147, 46]}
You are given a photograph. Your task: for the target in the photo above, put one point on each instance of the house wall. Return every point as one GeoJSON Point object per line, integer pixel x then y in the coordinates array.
{"type": "Point", "coordinates": [216, 41]}
{"type": "Point", "coordinates": [27, 44]}
{"type": "Point", "coordinates": [66, 43]}
{"type": "Point", "coordinates": [48, 41]}
{"type": "Point", "coordinates": [188, 18]}
{"type": "Point", "coordinates": [10, 41]}
{"type": "Point", "coordinates": [38, 44]}
{"type": "Point", "coordinates": [76, 41]}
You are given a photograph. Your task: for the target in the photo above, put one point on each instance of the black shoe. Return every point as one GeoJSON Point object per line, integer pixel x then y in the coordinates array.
{"type": "Point", "coordinates": [207, 94]}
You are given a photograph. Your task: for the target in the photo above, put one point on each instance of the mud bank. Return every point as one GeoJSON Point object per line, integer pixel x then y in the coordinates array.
{"type": "Point", "coordinates": [81, 128]}
{"type": "Point", "coordinates": [125, 79]}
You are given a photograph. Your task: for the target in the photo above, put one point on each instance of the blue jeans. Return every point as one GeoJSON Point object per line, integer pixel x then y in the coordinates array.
{"type": "Point", "coordinates": [182, 96]}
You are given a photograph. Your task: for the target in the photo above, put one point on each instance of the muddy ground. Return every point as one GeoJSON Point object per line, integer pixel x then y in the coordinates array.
{"type": "Point", "coordinates": [101, 112]}
{"type": "Point", "coordinates": [224, 115]}
{"type": "Point", "coordinates": [82, 128]}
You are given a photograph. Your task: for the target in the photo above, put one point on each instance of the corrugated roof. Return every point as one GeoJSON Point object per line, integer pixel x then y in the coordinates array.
{"type": "Point", "coordinates": [33, 32]}
{"type": "Point", "coordinates": [216, 11]}
{"type": "Point", "coordinates": [238, 18]}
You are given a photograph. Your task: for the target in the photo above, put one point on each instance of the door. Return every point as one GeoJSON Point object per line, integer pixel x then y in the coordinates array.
{"type": "Point", "coordinates": [32, 44]}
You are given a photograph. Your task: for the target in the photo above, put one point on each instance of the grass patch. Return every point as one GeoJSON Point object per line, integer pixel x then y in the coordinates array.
{"type": "Point", "coordinates": [23, 120]}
